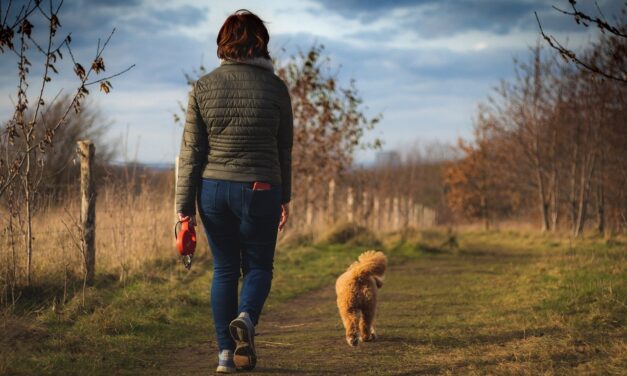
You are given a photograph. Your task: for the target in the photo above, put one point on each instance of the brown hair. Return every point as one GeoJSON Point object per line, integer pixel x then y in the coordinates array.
{"type": "Point", "coordinates": [243, 36]}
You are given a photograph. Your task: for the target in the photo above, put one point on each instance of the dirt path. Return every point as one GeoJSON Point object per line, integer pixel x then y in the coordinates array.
{"type": "Point", "coordinates": [440, 314]}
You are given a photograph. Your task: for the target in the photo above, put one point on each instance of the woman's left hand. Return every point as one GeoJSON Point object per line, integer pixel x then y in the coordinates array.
{"type": "Point", "coordinates": [285, 213]}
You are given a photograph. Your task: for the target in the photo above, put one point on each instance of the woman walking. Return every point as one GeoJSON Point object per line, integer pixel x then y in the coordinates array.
{"type": "Point", "coordinates": [235, 163]}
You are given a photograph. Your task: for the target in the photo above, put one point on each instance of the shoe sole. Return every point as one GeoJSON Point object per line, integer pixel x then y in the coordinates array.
{"type": "Point", "coordinates": [244, 356]}
{"type": "Point", "coordinates": [225, 369]}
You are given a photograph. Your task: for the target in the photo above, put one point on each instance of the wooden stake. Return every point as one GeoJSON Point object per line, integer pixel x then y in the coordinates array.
{"type": "Point", "coordinates": [86, 151]}
{"type": "Point", "coordinates": [350, 200]}
{"type": "Point", "coordinates": [376, 220]}
{"type": "Point", "coordinates": [331, 202]}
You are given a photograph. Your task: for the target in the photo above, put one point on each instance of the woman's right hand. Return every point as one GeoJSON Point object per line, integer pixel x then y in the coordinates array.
{"type": "Point", "coordinates": [285, 213]}
{"type": "Point", "coordinates": [192, 219]}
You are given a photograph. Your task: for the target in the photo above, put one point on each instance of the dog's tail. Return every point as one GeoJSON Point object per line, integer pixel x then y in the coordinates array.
{"type": "Point", "coordinates": [371, 263]}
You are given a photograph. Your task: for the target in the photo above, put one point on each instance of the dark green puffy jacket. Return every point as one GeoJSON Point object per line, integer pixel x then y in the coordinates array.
{"type": "Point", "coordinates": [238, 127]}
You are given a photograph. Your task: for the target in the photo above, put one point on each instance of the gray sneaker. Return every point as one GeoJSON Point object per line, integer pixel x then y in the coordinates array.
{"type": "Point", "coordinates": [225, 362]}
{"type": "Point", "coordinates": [243, 332]}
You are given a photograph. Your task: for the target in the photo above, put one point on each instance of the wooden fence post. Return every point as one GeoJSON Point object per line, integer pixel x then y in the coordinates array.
{"type": "Point", "coordinates": [387, 215]}
{"type": "Point", "coordinates": [365, 209]}
{"type": "Point", "coordinates": [409, 210]}
{"type": "Point", "coordinates": [415, 216]}
{"type": "Point", "coordinates": [376, 220]}
{"type": "Point", "coordinates": [86, 151]}
{"type": "Point", "coordinates": [396, 214]}
{"type": "Point", "coordinates": [309, 202]}
{"type": "Point", "coordinates": [331, 203]}
{"type": "Point", "coordinates": [350, 200]}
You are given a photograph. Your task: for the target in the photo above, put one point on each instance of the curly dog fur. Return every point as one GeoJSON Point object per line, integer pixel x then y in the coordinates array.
{"type": "Point", "coordinates": [357, 295]}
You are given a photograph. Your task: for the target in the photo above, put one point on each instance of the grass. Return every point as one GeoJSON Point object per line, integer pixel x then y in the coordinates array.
{"type": "Point", "coordinates": [494, 303]}
{"type": "Point", "coordinates": [126, 240]}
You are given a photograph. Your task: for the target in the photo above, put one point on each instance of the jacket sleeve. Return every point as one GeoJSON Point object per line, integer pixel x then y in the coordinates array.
{"type": "Point", "coordinates": [192, 157]}
{"type": "Point", "coordinates": [285, 141]}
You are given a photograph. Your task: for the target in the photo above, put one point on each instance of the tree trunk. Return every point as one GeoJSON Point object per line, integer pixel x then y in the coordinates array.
{"type": "Point", "coordinates": [554, 180]}
{"type": "Point", "coordinates": [600, 209]}
{"type": "Point", "coordinates": [555, 205]}
{"type": "Point", "coordinates": [484, 210]}
{"type": "Point", "coordinates": [573, 185]}
{"type": "Point", "coordinates": [538, 87]}
{"type": "Point", "coordinates": [581, 213]}
{"type": "Point", "coordinates": [584, 190]}
{"type": "Point", "coordinates": [600, 195]}
{"type": "Point", "coordinates": [544, 206]}
{"type": "Point", "coordinates": [29, 236]}
{"type": "Point", "coordinates": [29, 219]}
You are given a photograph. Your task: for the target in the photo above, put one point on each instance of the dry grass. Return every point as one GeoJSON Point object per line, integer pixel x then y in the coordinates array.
{"type": "Point", "coordinates": [133, 229]}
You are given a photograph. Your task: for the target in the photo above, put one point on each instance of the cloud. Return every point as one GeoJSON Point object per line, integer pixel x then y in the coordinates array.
{"type": "Point", "coordinates": [431, 18]}
{"type": "Point", "coordinates": [436, 18]}
{"type": "Point", "coordinates": [424, 64]}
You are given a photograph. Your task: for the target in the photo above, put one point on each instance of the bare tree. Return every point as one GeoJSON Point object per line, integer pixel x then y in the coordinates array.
{"type": "Point", "coordinates": [560, 139]}
{"type": "Point", "coordinates": [27, 137]}
{"type": "Point", "coordinates": [524, 113]}
{"type": "Point", "coordinates": [61, 170]}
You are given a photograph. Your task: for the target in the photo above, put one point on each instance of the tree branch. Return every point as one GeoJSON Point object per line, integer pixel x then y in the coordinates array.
{"type": "Point", "coordinates": [570, 55]}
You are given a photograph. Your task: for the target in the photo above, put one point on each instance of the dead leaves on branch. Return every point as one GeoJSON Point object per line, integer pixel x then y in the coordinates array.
{"type": "Point", "coordinates": [26, 28]}
{"type": "Point", "coordinates": [26, 136]}
{"type": "Point", "coordinates": [106, 86]}
{"type": "Point", "coordinates": [80, 71]}
{"type": "Point", "coordinates": [6, 38]}
{"type": "Point", "coordinates": [54, 24]}
{"type": "Point", "coordinates": [98, 65]}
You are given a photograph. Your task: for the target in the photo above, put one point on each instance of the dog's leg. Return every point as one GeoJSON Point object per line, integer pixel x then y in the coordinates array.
{"type": "Point", "coordinates": [366, 324]}
{"type": "Point", "coordinates": [350, 320]}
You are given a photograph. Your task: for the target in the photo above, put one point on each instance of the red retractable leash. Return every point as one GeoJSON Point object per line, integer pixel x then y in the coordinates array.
{"type": "Point", "coordinates": [185, 241]}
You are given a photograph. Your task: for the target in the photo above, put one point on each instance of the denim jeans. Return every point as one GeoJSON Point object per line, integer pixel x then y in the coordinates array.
{"type": "Point", "coordinates": [241, 225]}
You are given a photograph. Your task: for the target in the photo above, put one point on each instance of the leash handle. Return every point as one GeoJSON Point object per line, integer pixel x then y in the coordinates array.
{"type": "Point", "coordinates": [185, 241]}
{"type": "Point", "coordinates": [176, 235]}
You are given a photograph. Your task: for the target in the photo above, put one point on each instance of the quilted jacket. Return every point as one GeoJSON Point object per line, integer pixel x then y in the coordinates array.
{"type": "Point", "coordinates": [238, 127]}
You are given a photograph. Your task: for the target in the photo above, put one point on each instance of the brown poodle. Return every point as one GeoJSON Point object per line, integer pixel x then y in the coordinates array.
{"type": "Point", "coordinates": [357, 294]}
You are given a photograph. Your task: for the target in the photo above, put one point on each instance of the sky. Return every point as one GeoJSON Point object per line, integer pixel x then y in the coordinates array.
{"type": "Point", "coordinates": [423, 64]}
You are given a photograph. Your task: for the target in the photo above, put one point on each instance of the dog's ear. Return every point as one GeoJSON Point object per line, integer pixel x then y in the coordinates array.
{"type": "Point", "coordinates": [378, 281]}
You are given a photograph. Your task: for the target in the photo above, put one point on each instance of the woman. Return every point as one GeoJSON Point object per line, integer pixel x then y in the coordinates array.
{"type": "Point", "coordinates": [235, 161]}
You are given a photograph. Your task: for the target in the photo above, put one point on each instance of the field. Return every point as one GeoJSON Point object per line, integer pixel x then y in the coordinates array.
{"type": "Point", "coordinates": [471, 303]}
{"type": "Point", "coordinates": [381, 149]}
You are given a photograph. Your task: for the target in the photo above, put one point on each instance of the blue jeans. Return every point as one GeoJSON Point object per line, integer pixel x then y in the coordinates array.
{"type": "Point", "coordinates": [241, 225]}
